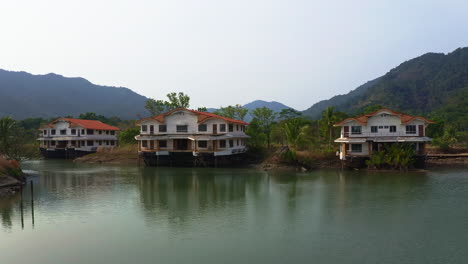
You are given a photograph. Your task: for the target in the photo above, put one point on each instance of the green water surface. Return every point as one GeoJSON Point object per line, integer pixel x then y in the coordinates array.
{"type": "Point", "coordinates": [117, 214]}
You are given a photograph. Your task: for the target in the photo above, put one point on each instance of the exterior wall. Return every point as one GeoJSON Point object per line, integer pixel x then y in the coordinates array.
{"type": "Point", "coordinates": [189, 119]}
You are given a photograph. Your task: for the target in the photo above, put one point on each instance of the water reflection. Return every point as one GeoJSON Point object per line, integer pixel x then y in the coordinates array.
{"type": "Point", "coordinates": [182, 194]}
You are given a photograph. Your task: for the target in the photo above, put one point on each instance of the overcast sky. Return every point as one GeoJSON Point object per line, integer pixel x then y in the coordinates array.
{"type": "Point", "coordinates": [227, 52]}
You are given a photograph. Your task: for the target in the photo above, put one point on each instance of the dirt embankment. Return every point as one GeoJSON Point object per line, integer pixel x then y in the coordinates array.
{"type": "Point", "coordinates": [118, 155]}
{"type": "Point", "coordinates": [302, 161]}
{"type": "Point", "coordinates": [447, 160]}
{"type": "Point", "coordinates": [11, 177]}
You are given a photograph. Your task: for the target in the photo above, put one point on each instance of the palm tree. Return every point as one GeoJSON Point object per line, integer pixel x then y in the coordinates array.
{"type": "Point", "coordinates": [329, 117]}
{"type": "Point", "coordinates": [7, 125]}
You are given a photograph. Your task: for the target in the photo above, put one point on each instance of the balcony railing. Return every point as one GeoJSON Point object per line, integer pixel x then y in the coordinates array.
{"type": "Point", "coordinates": [379, 134]}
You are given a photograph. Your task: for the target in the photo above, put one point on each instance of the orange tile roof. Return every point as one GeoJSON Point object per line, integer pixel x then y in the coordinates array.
{"type": "Point", "coordinates": [87, 124]}
{"type": "Point", "coordinates": [403, 117]}
{"type": "Point", "coordinates": [202, 116]}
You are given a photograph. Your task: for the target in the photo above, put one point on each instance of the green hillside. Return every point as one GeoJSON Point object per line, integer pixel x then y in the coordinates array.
{"type": "Point", "coordinates": [433, 85]}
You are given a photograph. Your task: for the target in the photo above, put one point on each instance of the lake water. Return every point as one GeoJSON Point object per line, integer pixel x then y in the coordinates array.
{"type": "Point", "coordinates": [109, 214]}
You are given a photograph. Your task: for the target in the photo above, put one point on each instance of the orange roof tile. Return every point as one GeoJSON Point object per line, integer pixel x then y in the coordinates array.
{"type": "Point", "coordinates": [403, 117]}
{"type": "Point", "coordinates": [202, 116]}
{"type": "Point", "coordinates": [87, 124]}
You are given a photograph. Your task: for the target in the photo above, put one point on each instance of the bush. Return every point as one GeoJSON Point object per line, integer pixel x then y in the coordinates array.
{"type": "Point", "coordinates": [396, 156]}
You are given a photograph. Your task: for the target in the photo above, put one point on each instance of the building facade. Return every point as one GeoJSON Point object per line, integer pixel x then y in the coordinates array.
{"type": "Point", "coordinates": [191, 132]}
{"type": "Point", "coordinates": [70, 138]}
{"type": "Point", "coordinates": [361, 136]}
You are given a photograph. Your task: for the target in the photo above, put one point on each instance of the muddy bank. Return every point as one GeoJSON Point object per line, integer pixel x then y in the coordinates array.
{"type": "Point", "coordinates": [11, 177]}
{"type": "Point", "coordinates": [447, 162]}
{"type": "Point", "coordinates": [9, 185]}
{"type": "Point", "coordinates": [118, 155]}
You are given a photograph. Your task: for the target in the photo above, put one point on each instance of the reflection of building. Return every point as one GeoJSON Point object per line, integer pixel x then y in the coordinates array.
{"type": "Point", "coordinates": [70, 138]}
{"type": "Point", "coordinates": [363, 135]}
{"type": "Point", "coordinates": [184, 133]}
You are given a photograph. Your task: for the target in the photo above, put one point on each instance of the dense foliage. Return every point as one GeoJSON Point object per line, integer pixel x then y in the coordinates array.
{"type": "Point", "coordinates": [395, 156]}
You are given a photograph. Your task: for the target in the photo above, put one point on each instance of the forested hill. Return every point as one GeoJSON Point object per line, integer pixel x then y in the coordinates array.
{"type": "Point", "coordinates": [426, 84]}
{"type": "Point", "coordinates": [24, 95]}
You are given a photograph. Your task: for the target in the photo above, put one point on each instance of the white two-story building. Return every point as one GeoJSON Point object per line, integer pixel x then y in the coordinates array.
{"type": "Point", "coordinates": [190, 131]}
{"type": "Point", "coordinates": [70, 138]}
{"type": "Point", "coordinates": [363, 135]}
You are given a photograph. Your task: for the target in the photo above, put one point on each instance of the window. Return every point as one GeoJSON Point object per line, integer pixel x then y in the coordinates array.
{"type": "Point", "coordinates": [112, 142]}
{"type": "Point", "coordinates": [82, 131]}
{"type": "Point", "coordinates": [63, 132]}
{"type": "Point", "coordinates": [89, 143]}
{"type": "Point", "coordinates": [222, 143]}
{"type": "Point", "coordinates": [231, 143]}
{"type": "Point", "coordinates": [52, 132]}
{"type": "Point", "coordinates": [144, 128]}
{"type": "Point", "coordinates": [202, 144]}
{"type": "Point", "coordinates": [356, 130]}
{"type": "Point", "coordinates": [392, 129]}
{"type": "Point", "coordinates": [144, 143]}
{"type": "Point", "coordinates": [231, 127]}
{"type": "Point", "coordinates": [52, 143]}
{"type": "Point", "coordinates": [100, 132]}
{"type": "Point", "coordinates": [386, 127]}
{"type": "Point", "coordinates": [107, 142]}
{"type": "Point", "coordinates": [45, 132]}
{"type": "Point", "coordinates": [90, 132]}
{"type": "Point", "coordinates": [112, 132]}
{"type": "Point", "coordinates": [374, 129]}
{"type": "Point", "coordinates": [237, 127]}
{"type": "Point", "coordinates": [222, 128]}
{"type": "Point", "coordinates": [181, 128]}
{"type": "Point", "coordinates": [410, 129]}
{"type": "Point", "coordinates": [100, 142]}
{"type": "Point", "coordinates": [237, 143]}
{"type": "Point", "coordinates": [162, 143]}
{"type": "Point", "coordinates": [202, 128]}
{"type": "Point", "coordinates": [380, 126]}
{"type": "Point", "coordinates": [107, 132]}
{"type": "Point", "coordinates": [73, 131]}
{"type": "Point", "coordinates": [162, 128]}
{"type": "Point", "coordinates": [356, 147]}
{"type": "Point", "coordinates": [151, 129]}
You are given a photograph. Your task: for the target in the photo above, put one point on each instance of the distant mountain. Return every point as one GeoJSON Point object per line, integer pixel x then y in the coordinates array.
{"type": "Point", "coordinates": [25, 95]}
{"type": "Point", "coordinates": [275, 106]}
{"type": "Point", "coordinates": [419, 86]}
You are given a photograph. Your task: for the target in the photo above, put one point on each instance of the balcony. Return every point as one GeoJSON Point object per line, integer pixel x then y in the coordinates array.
{"type": "Point", "coordinates": [378, 134]}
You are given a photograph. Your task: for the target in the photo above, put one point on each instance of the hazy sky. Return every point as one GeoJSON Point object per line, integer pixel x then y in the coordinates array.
{"type": "Point", "coordinates": [227, 52]}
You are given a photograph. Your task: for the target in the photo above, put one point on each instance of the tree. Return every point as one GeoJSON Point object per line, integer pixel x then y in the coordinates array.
{"type": "Point", "coordinates": [179, 100]}
{"type": "Point", "coordinates": [128, 136]}
{"type": "Point", "coordinates": [7, 126]}
{"type": "Point", "coordinates": [175, 100]}
{"type": "Point", "coordinates": [265, 118]}
{"type": "Point", "coordinates": [234, 112]}
{"type": "Point", "coordinates": [289, 113]}
{"type": "Point", "coordinates": [157, 107]}
{"type": "Point", "coordinates": [371, 109]}
{"type": "Point", "coordinates": [202, 109]}
{"type": "Point", "coordinates": [328, 119]}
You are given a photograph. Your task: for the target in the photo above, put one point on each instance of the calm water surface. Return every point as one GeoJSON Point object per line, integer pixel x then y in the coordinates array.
{"type": "Point", "coordinates": [109, 214]}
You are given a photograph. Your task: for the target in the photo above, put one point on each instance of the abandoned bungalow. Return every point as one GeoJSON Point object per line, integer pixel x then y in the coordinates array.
{"type": "Point", "coordinates": [189, 135]}
{"type": "Point", "coordinates": [363, 135]}
{"type": "Point", "coordinates": [71, 138]}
